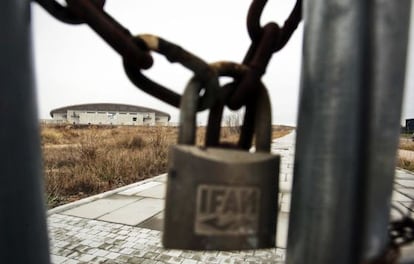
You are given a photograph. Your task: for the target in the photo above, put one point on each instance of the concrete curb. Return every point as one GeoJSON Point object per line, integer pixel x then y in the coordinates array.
{"type": "Point", "coordinates": [100, 196]}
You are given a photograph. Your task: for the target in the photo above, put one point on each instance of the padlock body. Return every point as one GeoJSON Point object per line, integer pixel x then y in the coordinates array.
{"type": "Point", "coordinates": [220, 199]}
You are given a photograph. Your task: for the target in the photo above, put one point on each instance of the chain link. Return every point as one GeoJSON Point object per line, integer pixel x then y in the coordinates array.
{"type": "Point", "coordinates": [265, 41]}
{"type": "Point", "coordinates": [174, 53]}
{"type": "Point", "coordinates": [118, 37]}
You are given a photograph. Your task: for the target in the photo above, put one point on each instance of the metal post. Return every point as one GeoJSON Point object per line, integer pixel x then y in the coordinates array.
{"type": "Point", "coordinates": [388, 46]}
{"type": "Point", "coordinates": [23, 232]}
{"type": "Point", "coordinates": [352, 76]}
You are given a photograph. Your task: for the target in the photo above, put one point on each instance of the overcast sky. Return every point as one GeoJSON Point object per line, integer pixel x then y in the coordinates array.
{"type": "Point", "coordinates": [74, 66]}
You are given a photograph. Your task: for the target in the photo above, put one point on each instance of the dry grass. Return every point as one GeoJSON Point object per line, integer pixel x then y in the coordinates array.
{"type": "Point", "coordinates": [406, 144]}
{"type": "Point", "coordinates": [82, 161]}
{"type": "Point", "coordinates": [280, 131]}
{"type": "Point", "coordinates": [405, 164]}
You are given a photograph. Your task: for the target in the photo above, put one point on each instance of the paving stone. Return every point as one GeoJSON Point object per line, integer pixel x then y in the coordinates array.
{"type": "Point", "coordinates": [399, 197]}
{"type": "Point", "coordinates": [74, 255]}
{"type": "Point", "coordinates": [63, 252]}
{"type": "Point", "coordinates": [408, 208]}
{"type": "Point", "coordinates": [154, 192]}
{"type": "Point", "coordinates": [101, 253]}
{"type": "Point", "coordinates": [139, 188]}
{"type": "Point", "coordinates": [407, 254]}
{"type": "Point", "coordinates": [175, 260]}
{"type": "Point", "coordinates": [136, 212]}
{"type": "Point", "coordinates": [397, 210]}
{"type": "Point", "coordinates": [401, 174]}
{"type": "Point", "coordinates": [163, 257]}
{"type": "Point", "coordinates": [101, 207]}
{"type": "Point", "coordinates": [112, 255]}
{"type": "Point", "coordinates": [189, 261]}
{"type": "Point", "coordinates": [86, 258]}
{"type": "Point", "coordinates": [135, 260]}
{"type": "Point", "coordinates": [282, 229]}
{"type": "Point", "coordinates": [196, 257]}
{"type": "Point", "coordinates": [126, 251]}
{"type": "Point", "coordinates": [70, 261]}
{"type": "Point", "coordinates": [285, 186]}
{"type": "Point", "coordinates": [285, 203]}
{"type": "Point", "coordinates": [98, 260]}
{"type": "Point", "coordinates": [156, 222]}
{"type": "Point", "coordinates": [162, 178]}
{"type": "Point", "coordinates": [57, 259]}
{"type": "Point", "coordinates": [406, 183]}
{"type": "Point", "coordinates": [280, 254]}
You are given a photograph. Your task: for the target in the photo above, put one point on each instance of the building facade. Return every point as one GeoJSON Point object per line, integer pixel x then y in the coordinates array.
{"type": "Point", "coordinates": [109, 114]}
{"type": "Point", "coordinates": [409, 125]}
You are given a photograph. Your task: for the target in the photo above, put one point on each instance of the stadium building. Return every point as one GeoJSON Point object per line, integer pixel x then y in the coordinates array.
{"type": "Point", "coordinates": [109, 114]}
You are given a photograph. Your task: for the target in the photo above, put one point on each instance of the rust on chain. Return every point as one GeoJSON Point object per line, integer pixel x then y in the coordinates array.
{"type": "Point", "coordinates": [289, 26]}
{"type": "Point", "coordinates": [254, 28]}
{"type": "Point", "coordinates": [253, 19]}
{"type": "Point", "coordinates": [174, 53]}
{"type": "Point", "coordinates": [257, 66]}
{"type": "Point", "coordinates": [265, 41]}
{"type": "Point", "coordinates": [118, 37]}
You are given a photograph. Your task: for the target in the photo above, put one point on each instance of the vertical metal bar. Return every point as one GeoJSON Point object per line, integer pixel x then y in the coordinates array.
{"type": "Point", "coordinates": [352, 81]}
{"type": "Point", "coordinates": [388, 45]}
{"type": "Point", "coordinates": [23, 232]}
{"type": "Point", "coordinates": [323, 225]}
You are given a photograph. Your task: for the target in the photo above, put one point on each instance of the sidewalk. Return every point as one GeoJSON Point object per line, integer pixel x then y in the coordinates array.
{"type": "Point", "coordinates": [124, 225]}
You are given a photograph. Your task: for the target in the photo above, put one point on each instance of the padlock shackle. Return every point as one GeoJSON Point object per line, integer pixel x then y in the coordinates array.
{"type": "Point", "coordinates": [188, 112]}
{"type": "Point", "coordinates": [258, 113]}
{"type": "Point", "coordinates": [262, 120]}
{"type": "Point", "coordinates": [257, 120]}
{"type": "Point", "coordinates": [257, 116]}
{"type": "Point", "coordinates": [190, 99]}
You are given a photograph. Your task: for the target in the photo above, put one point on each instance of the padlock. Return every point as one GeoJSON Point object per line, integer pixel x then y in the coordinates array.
{"type": "Point", "coordinates": [219, 198]}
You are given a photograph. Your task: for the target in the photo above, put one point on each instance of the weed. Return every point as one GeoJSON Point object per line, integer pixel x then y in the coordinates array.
{"type": "Point", "coordinates": [133, 142]}
{"type": "Point", "coordinates": [49, 136]}
{"type": "Point", "coordinates": [406, 144]}
{"type": "Point", "coordinates": [405, 164]}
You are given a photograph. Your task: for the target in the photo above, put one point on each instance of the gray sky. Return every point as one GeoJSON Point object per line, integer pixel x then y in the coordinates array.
{"type": "Point", "coordinates": [73, 65]}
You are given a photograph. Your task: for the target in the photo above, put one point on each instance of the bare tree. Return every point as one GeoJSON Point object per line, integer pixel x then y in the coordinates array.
{"type": "Point", "coordinates": [233, 122]}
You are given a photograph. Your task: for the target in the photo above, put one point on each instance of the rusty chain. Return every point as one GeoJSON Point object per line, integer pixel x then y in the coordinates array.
{"type": "Point", "coordinates": [266, 41]}
{"type": "Point", "coordinates": [174, 53]}
{"type": "Point", "coordinates": [135, 51]}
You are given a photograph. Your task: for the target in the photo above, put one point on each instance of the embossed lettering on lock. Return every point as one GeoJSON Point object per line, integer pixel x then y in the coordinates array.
{"type": "Point", "coordinates": [227, 210]}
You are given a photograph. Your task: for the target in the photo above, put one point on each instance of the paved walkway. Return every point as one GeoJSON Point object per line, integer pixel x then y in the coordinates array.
{"type": "Point", "coordinates": [124, 225]}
